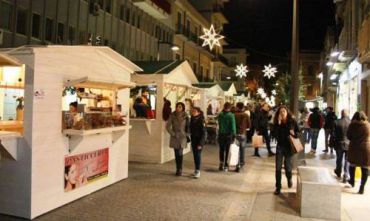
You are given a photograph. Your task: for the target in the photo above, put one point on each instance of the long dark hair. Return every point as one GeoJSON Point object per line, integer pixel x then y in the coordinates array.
{"type": "Point", "coordinates": [289, 115]}
{"type": "Point", "coordinates": [181, 104]}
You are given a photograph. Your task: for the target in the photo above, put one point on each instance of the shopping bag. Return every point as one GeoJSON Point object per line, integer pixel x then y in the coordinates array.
{"type": "Point", "coordinates": [257, 141]}
{"type": "Point", "coordinates": [295, 144]}
{"type": "Point", "coordinates": [233, 155]}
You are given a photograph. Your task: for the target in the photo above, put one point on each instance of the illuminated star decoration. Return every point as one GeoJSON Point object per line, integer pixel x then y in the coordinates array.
{"type": "Point", "coordinates": [241, 70]}
{"type": "Point", "coordinates": [211, 38]}
{"type": "Point", "coordinates": [261, 92]}
{"type": "Point", "coordinates": [273, 92]}
{"type": "Point", "coordinates": [269, 71]}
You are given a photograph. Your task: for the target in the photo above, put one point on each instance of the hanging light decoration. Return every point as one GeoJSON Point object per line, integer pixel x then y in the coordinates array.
{"type": "Point", "coordinates": [211, 37]}
{"type": "Point", "coordinates": [269, 71]}
{"type": "Point", "coordinates": [241, 70]}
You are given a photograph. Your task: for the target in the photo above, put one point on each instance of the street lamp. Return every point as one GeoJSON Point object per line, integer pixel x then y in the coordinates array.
{"type": "Point", "coordinates": [174, 47]}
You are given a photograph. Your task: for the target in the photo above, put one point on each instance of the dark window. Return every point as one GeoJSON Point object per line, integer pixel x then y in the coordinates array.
{"type": "Point", "coordinates": [101, 3]}
{"type": "Point", "coordinates": [310, 71]}
{"type": "Point", "coordinates": [187, 27]}
{"type": "Point", "coordinates": [179, 22]}
{"type": "Point", "coordinates": [36, 19]}
{"type": "Point", "coordinates": [71, 35]}
{"type": "Point", "coordinates": [49, 29]}
{"type": "Point", "coordinates": [138, 21]}
{"type": "Point", "coordinates": [108, 6]}
{"type": "Point", "coordinates": [6, 15]}
{"type": "Point", "coordinates": [122, 12]}
{"type": "Point", "coordinates": [128, 15]}
{"type": "Point", "coordinates": [133, 20]}
{"type": "Point", "coordinates": [21, 21]}
{"type": "Point", "coordinates": [60, 38]}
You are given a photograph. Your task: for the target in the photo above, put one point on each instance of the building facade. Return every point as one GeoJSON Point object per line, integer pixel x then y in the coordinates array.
{"type": "Point", "coordinates": [309, 64]}
{"type": "Point", "coordinates": [135, 29]}
{"type": "Point", "coordinates": [235, 56]}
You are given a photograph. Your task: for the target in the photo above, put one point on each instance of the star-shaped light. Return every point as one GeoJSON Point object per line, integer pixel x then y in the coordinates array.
{"type": "Point", "coordinates": [211, 38]}
{"type": "Point", "coordinates": [241, 70]}
{"type": "Point", "coordinates": [273, 92]}
{"type": "Point", "coordinates": [269, 71]}
{"type": "Point", "coordinates": [261, 92]}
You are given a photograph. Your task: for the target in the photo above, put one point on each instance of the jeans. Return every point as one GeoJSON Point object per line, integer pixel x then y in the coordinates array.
{"type": "Point", "coordinates": [315, 135]}
{"type": "Point", "coordinates": [306, 135]}
{"type": "Point", "coordinates": [224, 141]}
{"type": "Point", "coordinates": [328, 135]}
{"type": "Point", "coordinates": [178, 158]}
{"type": "Point", "coordinates": [196, 154]}
{"type": "Point", "coordinates": [280, 158]}
{"type": "Point", "coordinates": [265, 134]}
{"type": "Point", "coordinates": [240, 141]}
{"type": "Point", "coordinates": [340, 155]}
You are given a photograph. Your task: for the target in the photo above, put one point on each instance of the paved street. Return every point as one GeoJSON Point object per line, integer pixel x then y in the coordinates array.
{"type": "Point", "coordinates": [152, 192]}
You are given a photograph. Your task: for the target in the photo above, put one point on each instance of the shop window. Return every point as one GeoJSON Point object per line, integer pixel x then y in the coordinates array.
{"type": "Point", "coordinates": [6, 15]}
{"type": "Point", "coordinates": [71, 35]}
{"type": "Point", "coordinates": [49, 29]}
{"type": "Point", "coordinates": [143, 102]}
{"type": "Point", "coordinates": [36, 20]}
{"type": "Point", "coordinates": [86, 108]}
{"type": "Point", "coordinates": [12, 98]}
{"type": "Point", "coordinates": [60, 37]}
{"type": "Point", "coordinates": [21, 21]}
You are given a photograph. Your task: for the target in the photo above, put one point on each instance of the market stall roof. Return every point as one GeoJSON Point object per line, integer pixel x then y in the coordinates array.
{"type": "Point", "coordinates": [213, 90]}
{"type": "Point", "coordinates": [6, 60]}
{"type": "Point", "coordinates": [81, 66]}
{"type": "Point", "coordinates": [229, 88]}
{"type": "Point", "coordinates": [177, 72]}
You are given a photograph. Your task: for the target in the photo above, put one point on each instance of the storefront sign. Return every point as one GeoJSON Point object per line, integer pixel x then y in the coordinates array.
{"type": "Point", "coordinates": [85, 168]}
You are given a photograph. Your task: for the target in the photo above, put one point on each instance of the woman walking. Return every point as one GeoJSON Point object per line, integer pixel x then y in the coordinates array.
{"type": "Point", "coordinates": [284, 126]}
{"type": "Point", "coordinates": [198, 137]}
{"type": "Point", "coordinates": [178, 127]}
{"type": "Point", "coordinates": [359, 148]}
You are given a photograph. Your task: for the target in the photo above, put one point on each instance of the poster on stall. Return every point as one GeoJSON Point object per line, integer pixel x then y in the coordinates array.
{"type": "Point", "coordinates": [85, 168]}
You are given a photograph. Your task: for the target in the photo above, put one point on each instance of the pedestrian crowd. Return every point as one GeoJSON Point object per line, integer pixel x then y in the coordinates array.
{"type": "Point", "coordinates": [240, 124]}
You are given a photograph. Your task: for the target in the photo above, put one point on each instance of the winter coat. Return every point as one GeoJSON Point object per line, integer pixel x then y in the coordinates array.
{"type": "Point", "coordinates": [226, 123]}
{"type": "Point", "coordinates": [178, 127]}
{"type": "Point", "coordinates": [242, 121]}
{"type": "Point", "coordinates": [359, 147]}
{"type": "Point", "coordinates": [262, 121]}
{"type": "Point", "coordinates": [197, 130]}
{"type": "Point", "coordinates": [330, 119]}
{"type": "Point", "coordinates": [315, 120]}
{"type": "Point", "coordinates": [340, 133]}
{"type": "Point", "coordinates": [282, 132]}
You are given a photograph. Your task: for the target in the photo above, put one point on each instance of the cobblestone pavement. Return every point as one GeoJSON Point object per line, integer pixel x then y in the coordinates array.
{"type": "Point", "coordinates": [152, 192]}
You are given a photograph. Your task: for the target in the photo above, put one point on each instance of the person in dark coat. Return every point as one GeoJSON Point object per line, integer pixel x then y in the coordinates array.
{"type": "Point", "coordinates": [226, 135]}
{"type": "Point", "coordinates": [330, 119]}
{"type": "Point", "coordinates": [359, 148]}
{"type": "Point", "coordinates": [178, 127]}
{"type": "Point", "coordinates": [242, 121]}
{"type": "Point", "coordinates": [315, 121]}
{"type": "Point", "coordinates": [341, 145]}
{"type": "Point", "coordinates": [166, 112]}
{"type": "Point", "coordinates": [262, 126]}
{"type": "Point", "coordinates": [198, 137]}
{"type": "Point", "coordinates": [284, 126]}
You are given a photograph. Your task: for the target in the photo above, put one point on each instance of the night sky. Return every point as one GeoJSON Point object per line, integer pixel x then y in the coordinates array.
{"type": "Point", "coordinates": [263, 27]}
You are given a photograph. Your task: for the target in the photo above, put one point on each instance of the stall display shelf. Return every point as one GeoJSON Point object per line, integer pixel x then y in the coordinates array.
{"type": "Point", "coordinates": [73, 132]}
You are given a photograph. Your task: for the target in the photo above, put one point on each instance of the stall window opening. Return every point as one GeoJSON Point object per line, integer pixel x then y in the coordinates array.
{"type": "Point", "coordinates": [143, 102]}
{"type": "Point", "coordinates": [12, 98]}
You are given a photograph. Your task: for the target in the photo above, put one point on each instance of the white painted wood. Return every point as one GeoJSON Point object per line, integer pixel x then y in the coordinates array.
{"type": "Point", "coordinates": [108, 130]}
{"type": "Point", "coordinates": [9, 142]}
{"type": "Point", "coordinates": [36, 183]}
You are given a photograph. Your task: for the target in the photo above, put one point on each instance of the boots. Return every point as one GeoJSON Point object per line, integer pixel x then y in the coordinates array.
{"type": "Point", "coordinates": [351, 180]}
{"type": "Point", "coordinates": [178, 165]}
{"type": "Point", "coordinates": [364, 175]}
{"type": "Point", "coordinates": [256, 153]}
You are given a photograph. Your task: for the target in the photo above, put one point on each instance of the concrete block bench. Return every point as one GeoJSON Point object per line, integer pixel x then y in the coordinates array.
{"type": "Point", "coordinates": [319, 193]}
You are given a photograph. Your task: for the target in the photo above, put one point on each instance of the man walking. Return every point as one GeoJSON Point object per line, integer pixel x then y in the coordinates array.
{"type": "Point", "coordinates": [262, 124]}
{"type": "Point", "coordinates": [242, 124]}
{"type": "Point", "coordinates": [330, 119]}
{"type": "Point", "coordinates": [315, 121]}
{"type": "Point", "coordinates": [226, 134]}
{"type": "Point", "coordinates": [341, 145]}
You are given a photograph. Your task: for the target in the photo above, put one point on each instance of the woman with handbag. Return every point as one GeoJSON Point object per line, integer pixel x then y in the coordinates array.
{"type": "Point", "coordinates": [198, 137]}
{"type": "Point", "coordinates": [284, 126]}
{"type": "Point", "coordinates": [178, 127]}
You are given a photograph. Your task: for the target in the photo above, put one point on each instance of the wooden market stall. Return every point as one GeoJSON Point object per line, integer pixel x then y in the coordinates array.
{"type": "Point", "coordinates": [172, 80]}
{"type": "Point", "coordinates": [75, 126]}
{"type": "Point", "coordinates": [230, 91]}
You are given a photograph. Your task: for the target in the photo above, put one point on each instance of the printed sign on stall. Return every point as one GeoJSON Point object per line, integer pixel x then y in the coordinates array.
{"type": "Point", "coordinates": [85, 168]}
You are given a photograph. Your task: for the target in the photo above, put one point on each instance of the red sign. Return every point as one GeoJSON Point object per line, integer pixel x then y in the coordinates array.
{"type": "Point", "coordinates": [85, 168]}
